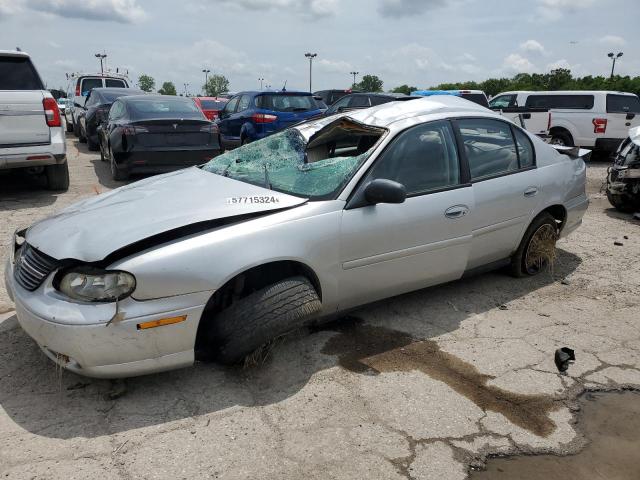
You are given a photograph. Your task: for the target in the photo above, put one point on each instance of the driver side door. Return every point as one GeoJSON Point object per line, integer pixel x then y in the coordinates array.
{"type": "Point", "coordinates": [389, 249]}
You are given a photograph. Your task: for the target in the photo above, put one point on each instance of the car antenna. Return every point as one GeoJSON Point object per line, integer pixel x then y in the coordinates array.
{"type": "Point", "coordinates": [284, 87]}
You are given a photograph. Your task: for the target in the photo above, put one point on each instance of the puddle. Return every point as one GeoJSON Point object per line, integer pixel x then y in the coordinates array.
{"type": "Point", "coordinates": [611, 423]}
{"type": "Point", "coordinates": [367, 349]}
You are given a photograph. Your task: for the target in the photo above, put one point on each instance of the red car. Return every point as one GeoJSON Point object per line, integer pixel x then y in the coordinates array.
{"type": "Point", "coordinates": [210, 106]}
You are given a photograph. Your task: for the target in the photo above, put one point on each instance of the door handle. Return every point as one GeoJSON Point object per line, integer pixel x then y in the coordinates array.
{"type": "Point", "coordinates": [531, 192]}
{"type": "Point", "coordinates": [457, 211]}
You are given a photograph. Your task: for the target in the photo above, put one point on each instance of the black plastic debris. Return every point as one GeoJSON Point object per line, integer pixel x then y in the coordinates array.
{"type": "Point", "coordinates": [618, 244]}
{"type": "Point", "coordinates": [564, 357]}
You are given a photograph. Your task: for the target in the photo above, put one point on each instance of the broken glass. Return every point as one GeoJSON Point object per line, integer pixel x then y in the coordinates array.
{"type": "Point", "coordinates": [285, 163]}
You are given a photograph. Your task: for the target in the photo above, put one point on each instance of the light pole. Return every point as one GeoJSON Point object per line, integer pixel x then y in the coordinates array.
{"type": "Point", "coordinates": [354, 78]}
{"type": "Point", "coordinates": [614, 58]}
{"type": "Point", "coordinates": [206, 72]}
{"type": "Point", "coordinates": [310, 56]}
{"type": "Point", "coordinates": [101, 56]}
{"type": "Point", "coordinates": [261, 80]}
{"type": "Point", "coordinates": [186, 93]}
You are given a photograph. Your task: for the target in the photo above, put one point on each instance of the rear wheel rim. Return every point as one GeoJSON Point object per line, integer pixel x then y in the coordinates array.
{"type": "Point", "coordinates": [541, 249]}
{"type": "Point", "coordinates": [558, 141]}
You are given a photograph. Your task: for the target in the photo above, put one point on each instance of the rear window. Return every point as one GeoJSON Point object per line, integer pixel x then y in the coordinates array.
{"type": "Point", "coordinates": [212, 104]}
{"type": "Point", "coordinates": [286, 103]}
{"type": "Point", "coordinates": [111, 97]}
{"type": "Point", "coordinates": [17, 73]}
{"type": "Point", "coordinates": [165, 108]}
{"type": "Point", "coordinates": [114, 82]}
{"type": "Point", "coordinates": [623, 104]}
{"type": "Point", "coordinates": [476, 98]}
{"type": "Point", "coordinates": [88, 84]}
{"type": "Point", "coordinates": [573, 102]}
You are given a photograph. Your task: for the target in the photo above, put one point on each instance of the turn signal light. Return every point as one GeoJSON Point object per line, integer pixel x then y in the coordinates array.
{"type": "Point", "coordinates": [51, 112]}
{"type": "Point", "coordinates": [161, 322]}
{"type": "Point", "coordinates": [264, 118]}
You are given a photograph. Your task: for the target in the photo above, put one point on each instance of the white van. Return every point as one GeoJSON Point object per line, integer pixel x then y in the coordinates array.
{"type": "Point", "coordinates": [593, 119]}
{"type": "Point", "coordinates": [80, 84]}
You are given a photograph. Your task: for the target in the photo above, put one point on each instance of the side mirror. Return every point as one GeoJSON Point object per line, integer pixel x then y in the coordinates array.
{"type": "Point", "coordinates": [382, 190]}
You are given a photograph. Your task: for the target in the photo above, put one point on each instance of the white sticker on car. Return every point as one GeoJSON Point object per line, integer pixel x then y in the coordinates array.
{"type": "Point", "coordinates": [252, 200]}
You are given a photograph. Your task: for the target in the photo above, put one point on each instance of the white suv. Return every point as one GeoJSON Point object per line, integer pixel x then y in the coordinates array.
{"type": "Point", "coordinates": [80, 85]}
{"type": "Point", "coordinates": [593, 119]}
{"type": "Point", "coordinates": [31, 132]}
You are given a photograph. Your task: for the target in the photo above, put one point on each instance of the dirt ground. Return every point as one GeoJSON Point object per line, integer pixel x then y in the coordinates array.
{"type": "Point", "coordinates": [422, 386]}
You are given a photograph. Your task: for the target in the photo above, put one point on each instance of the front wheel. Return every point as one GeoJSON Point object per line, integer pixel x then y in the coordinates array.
{"type": "Point", "coordinates": [261, 316]}
{"type": "Point", "coordinates": [537, 248]}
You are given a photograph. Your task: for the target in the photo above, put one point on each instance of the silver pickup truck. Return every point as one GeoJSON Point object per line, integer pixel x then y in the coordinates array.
{"type": "Point", "coordinates": [31, 131]}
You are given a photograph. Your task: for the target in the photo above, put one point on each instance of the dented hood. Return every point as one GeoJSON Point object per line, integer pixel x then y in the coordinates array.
{"type": "Point", "coordinates": [94, 228]}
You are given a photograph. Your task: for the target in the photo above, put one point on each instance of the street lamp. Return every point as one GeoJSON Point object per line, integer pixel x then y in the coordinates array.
{"type": "Point", "coordinates": [186, 93]}
{"type": "Point", "coordinates": [354, 78]}
{"type": "Point", "coordinates": [310, 56]}
{"type": "Point", "coordinates": [614, 58]}
{"type": "Point", "coordinates": [261, 80]}
{"type": "Point", "coordinates": [206, 72]}
{"type": "Point", "coordinates": [101, 56]}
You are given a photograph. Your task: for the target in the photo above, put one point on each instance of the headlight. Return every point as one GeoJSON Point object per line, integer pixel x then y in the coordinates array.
{"type": "Point", "coordinates": [97, 285]}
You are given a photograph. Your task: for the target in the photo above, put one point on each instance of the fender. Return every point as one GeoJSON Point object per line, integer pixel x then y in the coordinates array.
{"type": "Point", "coordinates": [248, 131]}
{"type": "Point", "coordinates": [566, 124]}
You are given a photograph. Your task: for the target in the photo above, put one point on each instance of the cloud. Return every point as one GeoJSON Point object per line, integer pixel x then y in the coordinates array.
{"type": "Point", "coordinates": [555, 9]}
{"type": "Point", "coordinates": [613, 41]}
{"type": "Point", "coordinates": [334, 66]}
{"type": "Point", "coordinates": [516, 63]}
{"type": "Point", "coordinates": [406, 8]}
{"type": "Point", "coordinates": [120, 11]}
{"type": "Point", "coordinates": [304, 8]}
{"type": "Point", "coordinates": [532, 46]}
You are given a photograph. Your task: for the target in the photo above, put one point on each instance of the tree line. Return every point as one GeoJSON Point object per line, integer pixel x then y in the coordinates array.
{"type": "Point", "coordinates": [216, 85]}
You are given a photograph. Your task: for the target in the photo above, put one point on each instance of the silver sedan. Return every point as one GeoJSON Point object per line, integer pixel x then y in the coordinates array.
{"type": "Point", "coordinates": [215, 260]}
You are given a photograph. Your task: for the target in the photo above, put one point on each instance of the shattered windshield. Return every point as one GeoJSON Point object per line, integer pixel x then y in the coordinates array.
{"type": "Point", "coordinates": [285, 163]}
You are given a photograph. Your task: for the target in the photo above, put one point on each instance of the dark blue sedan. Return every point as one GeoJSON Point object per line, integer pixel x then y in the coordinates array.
{"type": "Point", "coordinates": [250, 116]}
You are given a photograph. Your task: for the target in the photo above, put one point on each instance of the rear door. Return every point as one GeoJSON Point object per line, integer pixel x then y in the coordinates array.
{"type": "Point", "coordinates": [22, 120]}
{"type": "Point", "coordinates": [623, 113]}
{"type": "Point", "coordinates": [224, 120]}
{"type": "Point", "coordinates": [241, 115]}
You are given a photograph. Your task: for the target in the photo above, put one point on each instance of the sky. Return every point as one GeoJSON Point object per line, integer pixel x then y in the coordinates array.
{"type": "Point", "coordinates": [416, 42]}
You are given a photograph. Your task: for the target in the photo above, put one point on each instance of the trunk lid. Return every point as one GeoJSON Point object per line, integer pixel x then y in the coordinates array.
{"type": "Point", "coordinates": [22, 120]}
{"type": "Point", "coordinates": [92, 229]}
{"type": "Point", "coordinates": [172, 132]}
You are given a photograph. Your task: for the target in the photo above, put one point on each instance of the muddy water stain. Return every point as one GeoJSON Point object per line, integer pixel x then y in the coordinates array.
{"type": "Point", "coordinates": [368, 349]}
{"type": "Point", "coordinates": [611, 424]}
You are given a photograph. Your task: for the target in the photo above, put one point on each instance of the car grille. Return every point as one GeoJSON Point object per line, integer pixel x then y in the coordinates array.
{"type": "Point", "coordinates": [32, 267]}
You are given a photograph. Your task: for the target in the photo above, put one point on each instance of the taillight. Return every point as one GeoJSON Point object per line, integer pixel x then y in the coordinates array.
{"type": "Point", "coordinates": [78, 89]}
{"type": "Point", "coordinates": [131, 131]}
{"type": "Point", "coordinates": [51, 112]}
{"type": "Point", "coordinates": [264, 118]}
{"type": "Point", "coordinates": [599, 125]}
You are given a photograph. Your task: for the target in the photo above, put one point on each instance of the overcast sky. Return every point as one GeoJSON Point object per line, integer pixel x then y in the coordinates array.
{"type": "Point", "coordinates": [418, 42]}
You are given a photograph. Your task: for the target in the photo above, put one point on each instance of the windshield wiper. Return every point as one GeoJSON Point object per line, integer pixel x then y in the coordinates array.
{"type": "Point", "coordinates": [267, 183]}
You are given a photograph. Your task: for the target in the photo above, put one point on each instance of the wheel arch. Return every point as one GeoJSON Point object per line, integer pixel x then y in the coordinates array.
{"type": "Point", "coordinates": [242, 284]}
{"type": "Point", "coordinates": [564, 128]}
{"type": "Point", "coordinates": [557, 211]}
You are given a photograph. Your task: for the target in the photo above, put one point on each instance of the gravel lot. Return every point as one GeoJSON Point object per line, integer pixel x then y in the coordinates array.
{"type": "Point", "coordinates": [422, 386]}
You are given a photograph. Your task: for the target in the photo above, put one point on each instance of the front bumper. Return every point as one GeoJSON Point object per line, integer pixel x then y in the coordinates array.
{"type": "Point", "coordinates": [76, 336]}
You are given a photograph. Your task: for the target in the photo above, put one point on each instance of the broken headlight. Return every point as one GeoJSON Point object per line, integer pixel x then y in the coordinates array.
{"type": "Point", "coordinates": [97, 285]}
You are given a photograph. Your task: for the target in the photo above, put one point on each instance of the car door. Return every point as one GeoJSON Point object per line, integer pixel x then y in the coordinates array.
{"type": "Point", "coordinates": [224, 120]}
{"type": "Point", "coordinates": [388, 249]}
{"type": "Point", "coordinates": [90, 100]}
{"type": "Point", "coordinates": [114, 127]}
{"type": "Point", "coordinates": [623, 113]}
{"type": "Point", "coordinates": [505, 182]}
{"type": "Point", "coordinates": [238, 118]}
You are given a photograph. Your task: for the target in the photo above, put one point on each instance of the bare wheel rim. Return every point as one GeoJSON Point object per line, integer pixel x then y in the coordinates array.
{"type": "Point", "coordinates": [557, 141]}
{"type": "Point", "coordinates": [541, 250]}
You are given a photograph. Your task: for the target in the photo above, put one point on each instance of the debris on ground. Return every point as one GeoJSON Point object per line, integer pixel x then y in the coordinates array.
{"type": "Point", "coordinates": [618, 244]}
{"type": "Point", "coordinates": [118, 389]}
{"type": "Point", "coordinates": [78, 386]}
{"type": "Point", "coordinates": [564, 357]}
{"type": "Point", "coordinates": [503, 307]}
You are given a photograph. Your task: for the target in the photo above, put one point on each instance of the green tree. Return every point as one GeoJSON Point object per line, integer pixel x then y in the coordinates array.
{"type": "Point", "coordinates": [406, 89]}
{"type": "Point", "coordinates": [146, 83]}
{"type": "Point", "coordinates": [168, 88]}
{"type": "Point", "coordinates": [216, 85]}
{"type": "Point", "coordinates": [370, 83]}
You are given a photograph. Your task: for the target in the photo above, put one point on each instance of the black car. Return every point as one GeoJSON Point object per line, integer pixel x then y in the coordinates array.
{"type": "Point", "coordinates": [356, 101]}
{"type": "Point", "coordinates": [623, 177]}
{"type": "Point", "coordinates": [155, 133]}
{"type": "Point", "coordinates": [95, 111]}
{"type": "Point", "coordinates": [332, 96]}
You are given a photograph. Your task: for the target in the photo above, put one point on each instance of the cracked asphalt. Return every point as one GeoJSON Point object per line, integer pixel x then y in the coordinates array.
{"type": "Point", "coordinates": [421, 386]}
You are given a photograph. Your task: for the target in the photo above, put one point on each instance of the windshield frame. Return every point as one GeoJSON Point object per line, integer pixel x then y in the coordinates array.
{"type": "Point", "coordinates": [307, 137]}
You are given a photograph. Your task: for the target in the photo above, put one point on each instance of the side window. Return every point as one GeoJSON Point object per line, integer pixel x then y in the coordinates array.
{"type": "Point", "coordinates": [92, 99]}
{"type": "Point", "coordinates": [489, 147]}
{"type": "Point", "coordinates": [378, 100]}
{"type": "Point", "coordinates": [343, 102]}
{"type": "Point", "coordinates": [359, 101]}
{"type": "Point", "coordinates": [623, 104]}
{"type": "Point", "coordinates": [526, 152]}
{"type": "Point", "coordinates": [243, 104]}
{"type": "Point", "coordinates": [230, 107]}
{"type": "Point", "coordinates": [503, 101]}
{"type": "Point", "coordinates": [422, 158]}
{"type": "Point", "coordinates": [571, 102]}
{"type": "Point", "coordinates": [116, 111]}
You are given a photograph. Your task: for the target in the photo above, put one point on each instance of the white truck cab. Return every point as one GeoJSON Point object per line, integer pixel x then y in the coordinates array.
{"type": "Point", "coordinates": [80, 84]}
{"type": "Point", "coordinates": [31, 131]}
{"type": "Point", "coordinates": [595, 119]}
